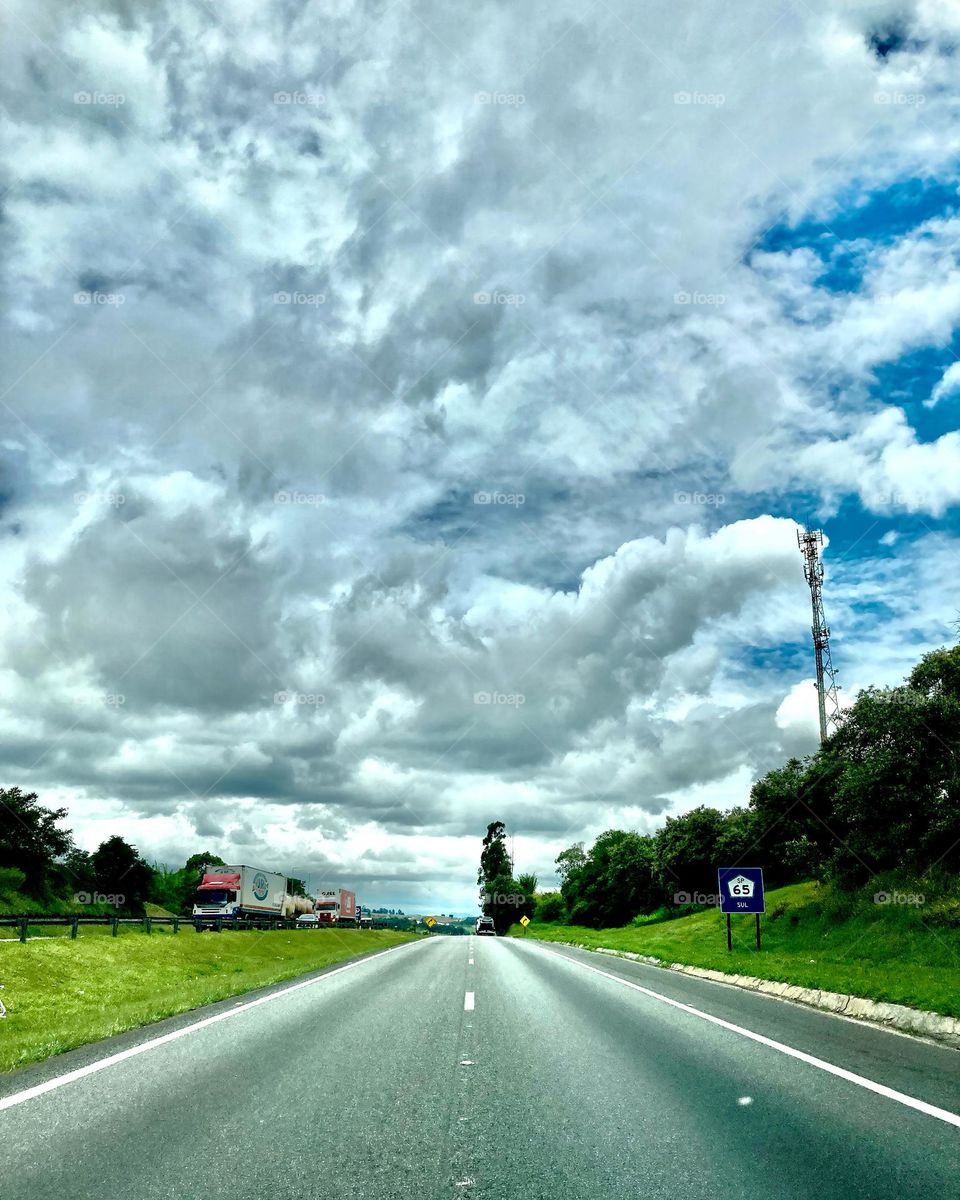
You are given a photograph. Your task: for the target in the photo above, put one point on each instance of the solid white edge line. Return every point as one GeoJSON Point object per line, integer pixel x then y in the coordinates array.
{"type": "Point", "coordinates": [931, 1110]}
{"type": "Point", "coordinates": [102, 1063]}
{"type": "Point", "coordinates": [468, 1002]}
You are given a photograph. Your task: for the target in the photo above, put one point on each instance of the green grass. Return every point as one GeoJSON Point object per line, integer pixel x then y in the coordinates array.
{"type": "Point", "coordinates": [60, 994]}
{"type": "Point", "coordinates": [812, 937]}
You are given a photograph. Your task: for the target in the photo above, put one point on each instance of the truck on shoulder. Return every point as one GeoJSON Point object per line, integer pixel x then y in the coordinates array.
{"type": "Point", "coordinates": [239, 893]}
{"type": "Point", "coordinates": [337, 907]}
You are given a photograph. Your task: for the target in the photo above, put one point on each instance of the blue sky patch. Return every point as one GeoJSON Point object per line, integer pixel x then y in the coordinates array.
{"type": "Point", "coordinates": [862, 222]}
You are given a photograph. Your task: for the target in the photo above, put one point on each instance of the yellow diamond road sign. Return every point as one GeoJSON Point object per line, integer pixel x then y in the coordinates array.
{"type": "Point", "coordinates": [524, 921]}
{"type": "Point", "coordinates": [430, 922]}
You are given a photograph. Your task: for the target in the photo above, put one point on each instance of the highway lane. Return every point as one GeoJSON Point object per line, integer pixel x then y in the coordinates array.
{"type": "Point", "coordinates": [531, 1073]}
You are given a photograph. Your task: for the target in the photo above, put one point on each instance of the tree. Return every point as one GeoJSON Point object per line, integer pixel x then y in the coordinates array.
{"type": "Point", "coordinates": [196, 862]}
{"type": "Point", "coordinates": [191, 876]}
{"type": "Point", "coordinates": [73, 873]}
{"type": "Point", "coordinates": [296, 887]}
{"type": "Point", "coordinates": [896, 763]}
{"type": "Point", "coordinates": [505, 900]}
{"type": "Point", "coordinates": [550, 907]}
{"type": "Point", "coordinates": [629, 878]}
{"type": "Point", "coordinates": [166, 889]}
{"type": "Point", "coordinates": [120, 871]}
{"type": "Point", "coordinates": [570, 860]}
{"type": "Point", "coordinates": [527, 885]}
{"type": "Point", "coordinates": [613, 883]}
{"type": "Point", "coordinates": [687, 852]}
{"type": "Point", "coordinates": [494, 860]}
{"type": "Point", "coordinates": [30, 840]}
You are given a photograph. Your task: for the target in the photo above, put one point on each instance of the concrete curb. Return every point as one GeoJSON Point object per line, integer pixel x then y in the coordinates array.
{"type": "Point", "coordinates": [935, 1026]}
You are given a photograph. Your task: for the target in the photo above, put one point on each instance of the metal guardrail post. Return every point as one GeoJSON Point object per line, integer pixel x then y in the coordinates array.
{"type": "Point", "coordinates": [147, 925]}
{"type": "Point", "coordinates": [23, 929]}
{"type": "Point", "coordinates": [74, 926]}
{"type": "Point", "coordinates": [115, 923]}
{"type": "Point", "coordinates": [176, 924]}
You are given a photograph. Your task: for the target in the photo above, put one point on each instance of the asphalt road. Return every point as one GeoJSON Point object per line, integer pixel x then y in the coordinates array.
{"type": "Point", "coordinates": [482, 1067]}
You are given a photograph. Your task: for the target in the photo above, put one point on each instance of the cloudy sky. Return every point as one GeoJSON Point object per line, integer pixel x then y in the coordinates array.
{"type": "Point", "coordinates": [409, 409]}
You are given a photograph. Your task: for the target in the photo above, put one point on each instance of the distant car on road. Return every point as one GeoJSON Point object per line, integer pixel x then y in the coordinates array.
{"type": "Point", "coordinates": [486, 925]}
{"type": "Point", "coordinates": [308, 921]}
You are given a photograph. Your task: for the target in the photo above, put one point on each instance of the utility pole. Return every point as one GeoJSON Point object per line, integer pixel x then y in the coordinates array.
{"type": "Point", "coordinates": [828, 703]}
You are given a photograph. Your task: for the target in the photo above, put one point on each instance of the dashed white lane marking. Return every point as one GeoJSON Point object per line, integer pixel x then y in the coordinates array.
{"type": "Point", "coordinates": [91, 1068]}
{"type": "Point", "coordinates": [468, 1002]}
{"type": "Point", "coordinates": [881, 1089]}
{"type": "Point", "coordinates": [469, 962]}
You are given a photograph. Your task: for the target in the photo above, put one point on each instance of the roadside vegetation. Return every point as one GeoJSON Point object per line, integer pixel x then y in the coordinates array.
{"type": "Point", "coordinates": [860, 843]}
{"type": "Point", "coordinates": [878, 804]}
{"type": "Point", "coordinates": [60, 994]}
{"type": "Point", "coordinates": [812, 935]}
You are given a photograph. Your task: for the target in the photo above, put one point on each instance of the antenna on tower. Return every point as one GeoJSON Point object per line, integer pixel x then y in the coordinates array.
{"type": "Point", "coordinates": [810, 541]}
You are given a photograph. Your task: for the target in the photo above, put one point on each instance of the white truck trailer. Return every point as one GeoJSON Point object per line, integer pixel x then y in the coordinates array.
{"type": "Point", "coordinates": [239, 893]}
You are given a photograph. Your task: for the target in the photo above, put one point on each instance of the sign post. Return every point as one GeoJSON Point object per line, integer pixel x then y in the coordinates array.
{"type": "Point", "coordinates": [741, 891]}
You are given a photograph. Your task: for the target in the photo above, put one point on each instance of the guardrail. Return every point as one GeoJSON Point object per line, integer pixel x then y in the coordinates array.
{"type": "Point", "coordinates": [23, 923]}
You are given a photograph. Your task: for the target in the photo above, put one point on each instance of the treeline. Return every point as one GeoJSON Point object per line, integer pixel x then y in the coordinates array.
{"type": "Point", "coordinates": [43, 870]}
{"type": "Point", "coordinates": [880, 797]}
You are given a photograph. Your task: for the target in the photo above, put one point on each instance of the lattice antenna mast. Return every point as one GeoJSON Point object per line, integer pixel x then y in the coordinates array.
{"type": "Point", "coordinates": [828, 702]}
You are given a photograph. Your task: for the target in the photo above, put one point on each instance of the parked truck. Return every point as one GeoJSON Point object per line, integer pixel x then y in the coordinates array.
{"type": "Point", "coordinates": [239, 893]}
{"type": "Point", "coordinates": [337, 907]}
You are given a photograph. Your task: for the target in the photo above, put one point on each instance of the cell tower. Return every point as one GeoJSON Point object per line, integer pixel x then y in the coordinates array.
{"type": "Point", "coordinates": [810, 541]}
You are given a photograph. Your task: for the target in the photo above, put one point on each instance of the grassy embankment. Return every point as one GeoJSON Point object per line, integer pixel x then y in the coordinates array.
{"type": "Point", "coordinates": [60, 994]}
{"type": "Point", "coordinates": [904, 953]}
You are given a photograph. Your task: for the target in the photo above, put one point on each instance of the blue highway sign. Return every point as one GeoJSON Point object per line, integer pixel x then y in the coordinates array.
{"type": "Point", "coordinates": [741, 889]}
